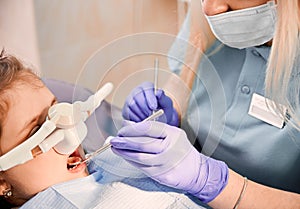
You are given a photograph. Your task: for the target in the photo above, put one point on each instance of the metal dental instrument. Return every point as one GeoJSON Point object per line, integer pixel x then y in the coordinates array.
{"type": "Point", "coordinates": [105, 147]}
{"type": "Point", "coordinates": [155, 75]}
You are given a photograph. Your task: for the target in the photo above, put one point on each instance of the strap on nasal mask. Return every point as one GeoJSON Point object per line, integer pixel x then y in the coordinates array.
{"type": "Point", "coordinates": [64, 130]}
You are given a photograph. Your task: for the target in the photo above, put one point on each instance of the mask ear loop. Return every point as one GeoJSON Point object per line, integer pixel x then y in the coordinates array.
{"type": "Point", "coordinates": [40, 142]}
{"type": "Point", "coordinates": [36, 151]}
{"type": "Point", "coordinates": [55, 137]}
{"type": "Point", "coordinates": [23, 152]}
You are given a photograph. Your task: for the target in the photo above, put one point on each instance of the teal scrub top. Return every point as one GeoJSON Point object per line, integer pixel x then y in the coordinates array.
{"type": "Point", "coordinates": [217, 117]}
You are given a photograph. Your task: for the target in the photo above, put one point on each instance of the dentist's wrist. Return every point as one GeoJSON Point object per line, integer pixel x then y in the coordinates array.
{"type": "Point", "coordinates": [217, 173]}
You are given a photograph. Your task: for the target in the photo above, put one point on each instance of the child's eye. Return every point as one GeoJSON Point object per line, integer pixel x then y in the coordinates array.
{"type": "Point", "coordinates": [34, 130]}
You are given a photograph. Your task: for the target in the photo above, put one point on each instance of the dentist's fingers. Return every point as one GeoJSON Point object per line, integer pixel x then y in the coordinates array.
{"type": "Point", "coordinates": [140, 103]}
{"type": "Point", "coordinates": [152, 129]}
{"type": "Point", "coordinates": [140, 144]}
{"type": "Point", "coordinates": [165, 103]}
{"type": "Point", "coordinates": [128, 114]}
{"type": "Point", "coordinates": [148, 90]}
{"type": "Point", "coordinates": [138, 157]}
{"type": "Point", "coordinates": [163, 100]}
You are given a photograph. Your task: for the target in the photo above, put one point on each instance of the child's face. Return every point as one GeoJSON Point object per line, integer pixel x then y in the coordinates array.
{"type": "Point", "coordinates": [28, 109]}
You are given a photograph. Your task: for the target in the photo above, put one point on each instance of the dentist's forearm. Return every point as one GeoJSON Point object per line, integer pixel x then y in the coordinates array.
{"type": "Point", "coordinates": [254, 196]}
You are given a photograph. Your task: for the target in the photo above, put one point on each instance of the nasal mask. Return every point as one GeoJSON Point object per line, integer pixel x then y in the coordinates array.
{"type": "Point", "coordinates": [246, 27]}
{"type": "Point", "coordinates": [64, 130]}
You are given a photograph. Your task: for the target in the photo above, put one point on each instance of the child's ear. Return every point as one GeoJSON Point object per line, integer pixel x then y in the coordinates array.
{"type": "Point", "coordinates": [4, 186]}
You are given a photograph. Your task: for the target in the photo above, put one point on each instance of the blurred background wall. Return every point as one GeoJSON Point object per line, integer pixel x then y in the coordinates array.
{"type": "Point", "coordinates": [62, 37]}
{"type": "Point", "coordinates": [18, 30]}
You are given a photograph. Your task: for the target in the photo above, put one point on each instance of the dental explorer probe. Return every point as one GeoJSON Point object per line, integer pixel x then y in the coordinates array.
{"type": "Point", "coordinates": [105, 147]}
{"type": "Point", "coordinates": [155, 78]}
{"type": "Point", "coordinates": [155, 75]}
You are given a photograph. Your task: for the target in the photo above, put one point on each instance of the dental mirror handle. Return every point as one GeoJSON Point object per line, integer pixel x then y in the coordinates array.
{"type": "Point", "coordinates": [156, 67]}
{"type": "Point", "coordinates": [108, 145]}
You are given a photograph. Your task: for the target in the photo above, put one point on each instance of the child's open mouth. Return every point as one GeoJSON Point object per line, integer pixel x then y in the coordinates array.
{"type": "Point", "coordinates": [74, 161]}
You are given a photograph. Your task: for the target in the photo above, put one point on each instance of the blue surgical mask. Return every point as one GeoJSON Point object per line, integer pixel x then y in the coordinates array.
{"type": "Point", "coordinates": [246, 27]}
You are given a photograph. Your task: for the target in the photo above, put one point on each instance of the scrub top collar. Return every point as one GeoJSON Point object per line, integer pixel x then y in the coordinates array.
{"type": "Point", "coordinates": [263, 51]}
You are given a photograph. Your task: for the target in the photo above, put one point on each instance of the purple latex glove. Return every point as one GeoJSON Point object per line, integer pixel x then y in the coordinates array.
{"type": "Point", "coordinates": [165, 154]}
{"type": "Point", "coordinates": [142, 101]}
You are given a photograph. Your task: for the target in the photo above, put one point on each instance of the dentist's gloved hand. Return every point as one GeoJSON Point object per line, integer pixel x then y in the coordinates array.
{"type": "Point", "coordinates": [142, 101]}
{"type": "Point", "coordinates": [165, 154]}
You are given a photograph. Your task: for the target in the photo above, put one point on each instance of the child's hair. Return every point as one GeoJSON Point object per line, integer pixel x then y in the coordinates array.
{"type": "Point", "coordinates": [12, 72]}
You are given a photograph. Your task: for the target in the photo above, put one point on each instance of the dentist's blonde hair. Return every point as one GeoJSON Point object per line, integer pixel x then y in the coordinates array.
{"type": "Point", "coordinates": [283, 70]}
{"type": "Point", "coordinates": [282, 82]}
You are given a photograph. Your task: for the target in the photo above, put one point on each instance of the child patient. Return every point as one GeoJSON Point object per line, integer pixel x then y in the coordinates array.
{"type": "Point", "coordinates": [46, 181]}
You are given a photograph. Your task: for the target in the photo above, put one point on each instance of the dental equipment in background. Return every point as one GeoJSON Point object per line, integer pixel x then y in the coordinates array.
{"type": "Point", "coordinates": [106, 146]}
{"type": "Point", "coordinates": [64, 130]}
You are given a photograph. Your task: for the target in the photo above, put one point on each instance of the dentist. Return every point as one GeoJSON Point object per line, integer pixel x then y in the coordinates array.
{"type": "Point", "coordinates": [243, 115]}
